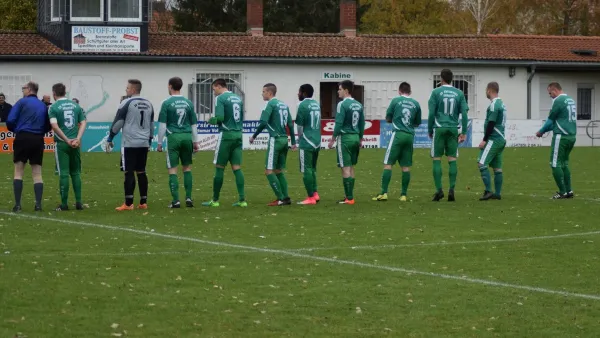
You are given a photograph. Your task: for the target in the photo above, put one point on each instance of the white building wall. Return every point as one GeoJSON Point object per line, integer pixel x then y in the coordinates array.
{"type": "Point", "coordinates": [100, 85]}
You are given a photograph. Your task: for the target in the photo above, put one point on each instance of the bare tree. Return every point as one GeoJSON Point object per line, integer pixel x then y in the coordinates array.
{"type": "Point", "coordinates": [481, 10]}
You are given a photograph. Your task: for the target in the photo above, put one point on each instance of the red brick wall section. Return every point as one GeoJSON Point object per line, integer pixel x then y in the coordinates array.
{"type": "Point", "coordinates": [254, 13]}
{"type": "Point", "coordinates": [348, 17]}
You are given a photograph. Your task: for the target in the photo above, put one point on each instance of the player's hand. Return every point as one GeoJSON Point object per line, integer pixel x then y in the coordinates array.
{"type": "Point", "coordinates": [294, 147]}
{"type": "Point", "coordinates": [159, 148]}
{"type": "Point", "coordinates": [251, 139]}
{"type": "Point", "coordinates": [196, 146]}
{"type": "Point", "coordinates": [538, 134]}
{"type": "Point", "coordinates": [482, 144]}
{"type": "Point", "coordinates": [462, 138]}
{"type": "Point", "coordinates": [109, 146]}
{"type": "Point", "coordinates": [74, 143]}
{"type": "Point", "coordinates": [330, 144]}
{"type": "Point", "coordinates": [431, 136]}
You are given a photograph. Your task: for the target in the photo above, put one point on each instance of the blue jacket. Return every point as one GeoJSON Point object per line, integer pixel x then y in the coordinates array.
{"type": "Point", "coordinates": [29, 115]}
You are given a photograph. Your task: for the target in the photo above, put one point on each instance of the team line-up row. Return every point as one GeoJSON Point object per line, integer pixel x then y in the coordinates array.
{"type": "Point", "coordinates": [30, 120]}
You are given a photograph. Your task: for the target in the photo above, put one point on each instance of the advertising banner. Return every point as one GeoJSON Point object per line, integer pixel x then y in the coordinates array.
{"type": "Point", "coordinates": [422, 139]}
{"type": "Point", "coordinates": [105, 39]}
{"type": "Point", "coordinates": [518, 133]}
{"type": "Point", "coordinates": [7, 138]}
{"type": "Point", "coordinates": [371, 138]}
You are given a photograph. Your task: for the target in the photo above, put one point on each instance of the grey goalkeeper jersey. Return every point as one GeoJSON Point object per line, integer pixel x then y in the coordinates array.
{"type": "Point", "coordinates": [136, 117]}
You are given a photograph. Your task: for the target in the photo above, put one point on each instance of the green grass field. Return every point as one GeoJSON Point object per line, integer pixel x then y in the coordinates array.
{"type": "Point", "coordinates": [526, 266]}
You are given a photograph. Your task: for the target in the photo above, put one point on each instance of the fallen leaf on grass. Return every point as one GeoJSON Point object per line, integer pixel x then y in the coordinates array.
{"type": "Point", "coordinates": [114, 325]}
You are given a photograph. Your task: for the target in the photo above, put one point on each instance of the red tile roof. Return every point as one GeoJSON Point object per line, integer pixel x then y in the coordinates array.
{"type": "Point", "coordinates": [287, 45]}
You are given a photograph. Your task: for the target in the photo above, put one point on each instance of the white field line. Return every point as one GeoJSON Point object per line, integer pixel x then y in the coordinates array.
{"type": "Point", "coordinates": [483, 241]}
{"type": "Point", "coordinates": [124, 254]}
{"type": "Point", "coordinates": [318, 258]}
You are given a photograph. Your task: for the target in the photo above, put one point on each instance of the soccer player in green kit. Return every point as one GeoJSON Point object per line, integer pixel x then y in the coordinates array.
{"type": "Point", "coordinates": [404, 113]}
{"type": "Point", "coordinates": [229, 116]}
{"type": "Point", "coordinates": [562, 121]}
{"type": "Point", "coordinates": [277, 119]}
{"type": "Point", "coordinates": [68, 122]}
{"type": "Point", "coordinates": [493, 144]}
{"type": "Point", "coordinates": [177, 119]}
{"type": "Point", "coordinates": [308, 120]}
{"type": "Point", "coordinates": [348, 132]}
{"type": "Point", "coordinates": [445, 105]}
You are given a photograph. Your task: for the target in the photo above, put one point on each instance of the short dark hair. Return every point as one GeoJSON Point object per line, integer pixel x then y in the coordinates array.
{"type": "Point", "coordinates": [555, 85]}
{"type": "Point", "coordinates": [176, 83]}
{"type": "Point", "coordinates": [220, 82]}
{"type": "Point", "coordinates": [59, 90]}
{"type": "Point", "coordinates": [404, 88]}
{"type": "Point", "coordinates": [2, 94]}
{"type": "Point", "coordinates": [348, 85]}
{"type": "Point", "coordinates": [447, 76]}
{"type": "Point", "coordinates": [76, 100]}
{"type": "Point", "coordinates": [307, 90]}
{"type": "Point", "coordinates": [271, 87]}
{"type": "Point", "coordinates": [137, 85]}
{"type": "Point", "coordinates": [33, 87]}
{"type": "Point", "coordinates": [494, 86]}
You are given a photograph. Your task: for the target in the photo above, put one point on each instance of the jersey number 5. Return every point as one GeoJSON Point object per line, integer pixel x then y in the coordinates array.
{"type": "Point", "coordinates": [69, 119]}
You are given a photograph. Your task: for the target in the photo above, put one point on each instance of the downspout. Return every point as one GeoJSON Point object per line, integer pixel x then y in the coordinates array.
{"type": "Point", "coordinates": [529, 79]}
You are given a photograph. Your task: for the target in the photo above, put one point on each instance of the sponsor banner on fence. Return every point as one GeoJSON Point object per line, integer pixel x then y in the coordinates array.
{"type": "Point", "coordinates": [371, 138]}
{"type": "Point", "coordinates": [518, 133]}
{"type": "Point", "coordinates": [96, 134]}
{"type": "Point", "coordinates": [422, 139]}
{"type": "Point", "coordinates": [7, 138]}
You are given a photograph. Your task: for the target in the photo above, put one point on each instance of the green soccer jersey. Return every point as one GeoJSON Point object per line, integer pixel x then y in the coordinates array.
{"type": "Point", "coordinates": [445, 105]}
{"type": "Point", "coordinates": [564, 115]}
{"type": "Point", "coordinates": [67, 114]}
{"type": "Point", "coordinates": [496, 113]}
{"type": "Point", "coordinates": [404, 113]}
{"type": "Point", "coordinates": [350, 118]}
{"type": "Point", "coordinates": [276, 115]}
{"type": "Point", "coordinates": [229, 111]}
{"type": "Point", "coordinates": [309, 118]}
{"type": "Point", "coordinates": [178, 114]}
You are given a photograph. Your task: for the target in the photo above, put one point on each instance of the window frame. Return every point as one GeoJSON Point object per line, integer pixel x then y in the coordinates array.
{"type": "Point", "coordinates": [83, 19]}
{"type": "Point", "coordinates": [591, 88]}
{"type": "Point", "coordinates": [471, 95]}
{"type": "Point", "coordinates": [203, 80]}
{"type": "Point", "coordinates": [52, 17]}
{"type": "Point", "coordinates": [112, 19]}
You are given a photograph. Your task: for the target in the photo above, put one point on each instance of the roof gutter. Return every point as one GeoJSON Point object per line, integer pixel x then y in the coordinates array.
{"type": "Point", "coordinates": [529, 79]}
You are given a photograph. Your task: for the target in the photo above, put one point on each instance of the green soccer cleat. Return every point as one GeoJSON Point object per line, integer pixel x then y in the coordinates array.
{"type": "Point", "coordinates": [382, 197]}
{"type": "Point", "coordinates": [241, 204]}
{"type": "Point", "coordinates": [211, 204]}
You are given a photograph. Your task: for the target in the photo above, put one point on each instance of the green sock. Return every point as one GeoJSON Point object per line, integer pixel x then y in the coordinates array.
{"type": "Point", "coordinates": [352, 181]}
{"type": "Point", "coordinates": [498, 178]}
{"type": "Point", "coordinates": [64, 190]}
{"type": "Point", "coordinates": [218, 183]}
{"type": "Point", "coordinates": [452, 173]}
{"type": "Point", "coordinates": [307, 178]}
{"type": "Point", "coordinates": [405, 182]}
{"type": "Point", "coordinates": [174, 186]}
{"type": "Point", "coordinates": [274, 183]}
{"type": "Point", "coordinates": [188, 182]}
{"type": "Point", "coordinates": [283, 184]}
{"type": "Point", "coordinates": [486, 178]}
{"type": "Point", "coordinates": [559, 178]}
{"type": "Point", "coordinates": [567, 173]}
{"type": "Point", "coordinates": [437, 174]}
{"type": "Point", "coordinates": [386, 177]}
{"type": "Point", "coordinates": [314, 172]}
{"type": "Point", "coordinates": [76, 180]}
{"type": "Point", "coordinates": [239, 183]}
{"type": "Point", "coordinates": [347, 186]}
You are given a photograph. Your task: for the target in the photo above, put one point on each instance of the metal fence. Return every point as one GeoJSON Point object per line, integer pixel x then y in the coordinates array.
{"type": "Point", "coordinates": [201, 93]}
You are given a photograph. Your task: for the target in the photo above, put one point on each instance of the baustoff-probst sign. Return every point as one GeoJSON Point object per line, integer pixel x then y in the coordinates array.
{"type": "Point", "coordinates": [105, 39]}
{"type": "Point", "coordinates": [336, 76]}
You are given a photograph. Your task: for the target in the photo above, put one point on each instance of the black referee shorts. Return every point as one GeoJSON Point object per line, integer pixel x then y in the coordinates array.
{"type": "Point", "coordinates": [134, 159]}
{"type": "Point", "coordinates": [28, 147]}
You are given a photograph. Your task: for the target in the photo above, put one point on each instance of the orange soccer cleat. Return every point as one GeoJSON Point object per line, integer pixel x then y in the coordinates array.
{"type": "Point", "coordinates": [124, 207]}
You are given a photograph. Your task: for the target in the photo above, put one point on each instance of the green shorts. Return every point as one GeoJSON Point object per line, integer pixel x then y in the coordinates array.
{"type": "Point", "coordinates": [68, 160]}
{"type": "Point", "coordinates": [308, 159]}
{"type": "Point", "coordinates": [491, 155]}
{"type": "Point", "coordinates": [277, 149]}
{"type": "Point", "coordinates": [348, 148]}
{"type": "Point", "coordinates": [445, 142]}
{"type": "Point", "coordinates": [400, 149]}
{"type": "Point", "coordinates": [229, 149]}
{"type": "Point", "coordinates": [179, 147]}
{"type": "Point", "coordinates": [561, 149]}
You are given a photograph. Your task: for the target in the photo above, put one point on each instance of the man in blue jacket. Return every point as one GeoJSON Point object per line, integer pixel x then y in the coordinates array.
{"type": "Point", "coordinates": [29, 121]}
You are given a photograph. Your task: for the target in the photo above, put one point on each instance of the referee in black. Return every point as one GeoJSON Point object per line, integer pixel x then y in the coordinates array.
{"type": "Point", "coordinates": [29, 120]}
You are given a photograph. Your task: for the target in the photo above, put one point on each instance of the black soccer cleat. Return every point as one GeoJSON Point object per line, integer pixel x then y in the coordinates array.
{"type": "Point", "coordinates": [175, 205]}
{"type": "Point", "coordinates": [451, 196]}
{"type": "Point", "coordinates": [189, 203]}
{"type": "Point", "coordinates": [78, 206]}
{"type": "Point", "coordinates": [570, 194]}
{"type": "Point", "coordinates": [62, 208]}
{"type": "Point", "coordinates": [559, 196]}
{"type": "Point", "coordinates": [16, 208]}
{"type": "Point", "coordinates": [487, 195]}
{"type": "Point", "coordinates": [438, 196]}
{"type": "Point", "coordinates": [286, 201]}
{"type": "Point", "coordinates": [496, 197]}
{"type": "Point", "coordinates": [38, 208]}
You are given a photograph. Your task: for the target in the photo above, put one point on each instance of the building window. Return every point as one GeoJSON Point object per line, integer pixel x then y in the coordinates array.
{"type": "Point", "coordinates": [464, 82]}
{"type": "Point", "coordinates": [125, 10]}
{"type": "Point", "coordinates": [87, 10]}
{"type": "Point", "coordinates": [201, 93]}
{"type": "Point", "coordinates": [585, 102]}
{"type": "Point", "coordinates": [57, 9]}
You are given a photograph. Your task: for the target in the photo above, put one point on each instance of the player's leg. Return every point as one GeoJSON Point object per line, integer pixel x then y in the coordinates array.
{"type": "Point", "coordinates": [344, 161]}
{"type": "Point", "coordinates": [186, 152]}
{"type": "Point", "coordinates": [236, 166]}
{"type": "Point", "coordinates": [62, 157]}
{"type": "Point", "coordinates": [142, 178]}
{"type": "Point", "coordinates": [220, 161]}
{"type": "Point", "coordinates": [452, 153]}
{"type": "Point", "coordinates": [305, 157]}
{"type": "Point", "coordinates": [75, 170]}
{"type": "Point", "coordinates": [566, 170]}
{"type": "Point", "coordinates": [315, 187]}
{"type": "Point", "coordinates": [390, 157]}
{"type": "Point", "coordinates": [270, 165]}
{"type": "Point", "coordinates": [282, 150]}
{"type": "Point", "coordinates": [406, 155]}
{"type": "Point", "coordinates": [19, 160]}
{"type": "Point", "coordinates": [172, 145]}
{"type": "Point", "coordinates": [437, 151]}
{"type": "Point", "coordinates": [354, 159]}
{"type": "Point", "coordinates": [556, 157]}
{"type": "Point", "coordinates": [36, 158]}
{"type": "Point", "coordinates": [128, 164]}
{"type": "Point", "coordinates": [486, 155]}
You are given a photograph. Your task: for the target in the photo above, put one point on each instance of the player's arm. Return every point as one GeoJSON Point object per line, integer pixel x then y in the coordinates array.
{"type": "Point", "coordinates": [162, 122]}
{"type": "Point", "coordinates": [194, 124]}
{"type": "Point", "coordinates": [361, 125]}
{"type": "Point", "coordinates": [82, 124]}
{"type": "Point", "coordinates": [432, 107]}
{"type": "Point", "coordinates": [389, 114]}
{"type": "Point", "coordinates": [264, 120]}
{"type": "Point", "coordinates": [300, 121]}
{"type": "Point", "coordinates": [219, 112]}
{"type": "Point", "coordinates": [290, 125]}
{"type": "Point", "coordinates": [151, 127]}
{"type": "Point", "coordinates": [13, 116]}
{"type": "Point", "coordinates": [54, 123]}
{"type": "Point", "coordinates": [464, 109]}
{"type": "Point", "coordinates": [119, 121]}
{"type": "Point", "coordinates": [417, 118]}
{"type": "Point", "coordinates": [340, 115]}
{"type": "Point", "coordinates": [493, 118]}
